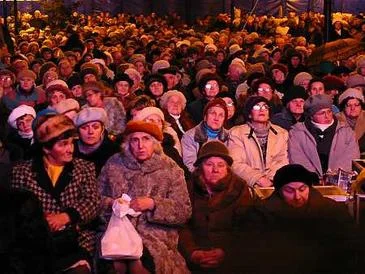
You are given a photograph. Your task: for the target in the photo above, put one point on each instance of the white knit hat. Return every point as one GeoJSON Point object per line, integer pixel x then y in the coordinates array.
{"type": "Point", "coordinates": [351, 92]}
{"type": "Point", "coordinates": [91, 114]}
{"type": "Point", "coordinates": [57, 82]}
{"type": "Point", "coordinates": [147, 111]}
{"type": "Point", "coordinates": [19, 112]}
{"type": "Point", "coordinates": [66, 105]}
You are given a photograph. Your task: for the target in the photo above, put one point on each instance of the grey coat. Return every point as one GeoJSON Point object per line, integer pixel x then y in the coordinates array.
{"type": "Point", "coordinates": [162, 180]}
{"type": "Point", "coordinates": [303, 149]}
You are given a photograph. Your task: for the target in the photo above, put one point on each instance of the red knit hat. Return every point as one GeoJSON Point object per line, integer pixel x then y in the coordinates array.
{"type": "Point", "coordinates": [142, 126]}
{"type": "Point", "coordinates": [217, 102]}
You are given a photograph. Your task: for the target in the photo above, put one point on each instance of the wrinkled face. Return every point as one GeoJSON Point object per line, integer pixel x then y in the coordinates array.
{"type": "Point", "coordinates": [91, 133]}
{"type": "Point", "coordinates": [93, 98]}
{"type": "Point", "coordinates": [56, 97]}
{"type": "Point", "coordinates": [90, 78]}
{"type": "Point", "coordinates": [230, 107]}
{"type": "Point", "coordinates": [265, 91]}
{"type": "Point", "coordinates": [24, 123]}
{"type": "Point", "coordinates": [316, 88]}
{"type": "Point", "coordinates": [214, 169]}
{"type": "Point", "coordinates": [278, 76]}
{"type": "Point", "coordinates": [295, 194]}
{"type": "Point", "coordinates": [260, 113]}
{"type": "Point", "coordinates": [61, 152]}
{"type": "Point", "coordinates": [26, 83]}
{"type": "Point", "coordinates": [215, 117]}
{"type": "Point", "coordinates": [122, 88]}
{"type": "Point", "coordinates": [353, 108]}
{"type": "Point", "coordinates": [174, 105]}
{"type": "Point", "coordinates": [323, 116]}
{"type": "Point", "coordinates": [235, 72]}
{"type": "Point", "coordinates": [141, 145]}
{"type": "Point", "coordinates": [77, 91]}
{"type": "Point", "coordinates": [296, 106]}
{"type": "Point", "coordinates": [171, 80]}
{"type": "Point", "coordinates": [156, 88]}
{"type": "Point", "coordinates": [211, 89]}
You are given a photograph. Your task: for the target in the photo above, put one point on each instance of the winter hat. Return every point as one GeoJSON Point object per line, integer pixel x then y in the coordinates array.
{"type": "Point", "coordinates": [131, 72]}
{"type": "Point", "coordinates": [74, 80]}
{"type": "Point", "coordinates": [19, 112]}
{"type": "Point", "coordinates": [137, 58]}
{"type": "Point", "coordinates": [301, 77]}
{"type": "Point", "coordinates": [91, 114]}
{"type": "Point", "coordinates": [203, 64]}
{"type": "Point", "coordinates": [88, 70]}
{"type": "Point", "coordinates": [183, 42]}
{"type": "Point", "coordinates": [160, 64]}
{"type": "Point", "coordinates": [351, 93]}
{"type": "Point", "coordinates": [94, 86]}
{"type": "Point", "coordinates": [250, 103]}
{"type": "Point", "coordinates": [57, 87]}
{"type": "Point", "coordinates": [283, 68]}
{"type": "Point", "coordinates": [217, 102]}
{"type": "Point", "coordinates": [26, 73]}
{"type": "Point", "coordinates": [49, 127]}
{"type": "Point", "coordinates": [142, 126]}
{"type": "Point", "coordinates": [123, 77]}
{"type": "Point", "coordinates": [66, 106]}
{"type": "Point", "coordinates": [147, 111]}
{"type": "Point", "coordinates": [355, 80]}
{"type": "Point", "coordinates": [213, 149]}
{"type": "Point", "coordinates": [210, 47]}
{"type": "Point", "coordinates": [294, 173]}
{"type": "Point", "coordinates": [333, 83]}
{"type": "Point", "coordinates": [295, 92]}
{"type": "Point", "coordinates": [169, 70]}
{"type": "Point", "coordinates": [57, 82]}
{"type": "Point", "coordinates": [166, 96]}
{"type": "Point", "coordinates": [234, 48]}
{"type": "Point", "coordinates": [317, 102]}
{"type": "Point", "coordinates": [209, 77]}
{"type": "Point", "coordinates": [155, 78]}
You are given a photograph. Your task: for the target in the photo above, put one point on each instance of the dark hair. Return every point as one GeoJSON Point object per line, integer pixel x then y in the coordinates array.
{"type": "Point", "coordinates": [316, 79]}
{"type": "Point", "coordinates": [140, 102]}
{"type": "Point", "coordinates": [345, 101]}
{"type": "Point", "coordinates": [262, 80]}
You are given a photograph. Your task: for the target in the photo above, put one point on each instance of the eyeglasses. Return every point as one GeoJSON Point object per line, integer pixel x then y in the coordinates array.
{"type": "Point", "coordinates": [261, 107]}
{"type": "Point", "coordinates": [209, 86]}
{"type": "Point", "coordinates": [264, 90]}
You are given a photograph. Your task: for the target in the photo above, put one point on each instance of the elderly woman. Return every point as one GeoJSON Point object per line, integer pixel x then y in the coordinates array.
{"type": "Point", "coordinates": [56, 92]}
{"type": "Point", "coordinates": [7, 81]}
{"type": "Point", "coordinates": [122, 88]}
{"type": "Point", "coordinates": [258, 148]}
{"type": "Point", "coordinates": [136, 77]}
{"type": "Point", "coordinates": [351, 104]}
{"type": "Point", "coordinates": [155, 87]}
{"type": "Point", "coordinates": [219, 199]}
{"type": "Point", "coordinates": [265, 87]}
{"type": "Point", "coordinates": [69, 107]}
{"type": "Point", "coordinates": [94, 94]}
{"type": "Point", "coordinates": [157, 188]}
{"type": "Point", "coordinates": [93, 144]}
{"type": "Point", "coordinates": [322, 143]}
{"type": "Point", "coordinates": [173, 104]}
{"type": "Point", "coordinates": [66, 188]}
{"type": "Point", "coordinates": [211, 128]}
{"type": "Point", "coordinates": [21, 135]}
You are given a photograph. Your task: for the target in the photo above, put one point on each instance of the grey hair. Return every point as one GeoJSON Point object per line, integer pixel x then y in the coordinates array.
{"type": "Point", "coordinates": [125, 146]}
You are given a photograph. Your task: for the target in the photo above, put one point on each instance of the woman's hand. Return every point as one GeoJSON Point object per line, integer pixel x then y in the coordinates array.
{"type": "Point", "coordinates": [208, 258]}
{"type": "Point", "coordinates": [142, 204]}
{"type": "Point", "coordinates": [57, 221]}
{"type": "Point", "coordinates": [264, 182]}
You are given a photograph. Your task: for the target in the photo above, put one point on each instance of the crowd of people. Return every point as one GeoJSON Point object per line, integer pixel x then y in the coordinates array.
{"type": "Point", "coordinates": [188, 121]}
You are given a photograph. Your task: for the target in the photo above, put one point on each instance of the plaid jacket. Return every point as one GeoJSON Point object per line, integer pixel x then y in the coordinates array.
{"type": "Point", "coordinates": [75, 193]}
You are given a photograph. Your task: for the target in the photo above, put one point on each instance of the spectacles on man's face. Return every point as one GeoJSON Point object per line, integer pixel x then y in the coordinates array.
{"type": "Point", "coordinates": [266, 90]}
{"type": "Point", "coordinates": [260, 107]}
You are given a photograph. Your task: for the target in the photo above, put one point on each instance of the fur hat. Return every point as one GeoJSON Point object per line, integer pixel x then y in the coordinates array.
{"type": "Point", "coordinates": [49, 127]}
{"type": "Point", "coordinates": [355, 80]}
{"type": "Point", "coordinates": [160, 64]}
{"type": "Point", "coordinates": [88, 70]}
{"type": "Point", "coordinates": [209, 77]}
{"type": "Point", "coordinates": [217, 102]}
{"type": "Point", "coordinates": [147, 111]}
{"type": "Point", "coordinates": [94, 86]}
{"type": "Point", "coordinates": [166, 96]}
{"type": "Point", "coordinates": [137, 58]}
{"type": "Point", "coordinates": [294, 173]}
{"type": "Point", "coordinates": [295, 92]}
{"type": "Point", "coordinates": [332, 82]}
{"type": "Point", "coordinates": [66, 106]}
{"type": "Point", "coordinates": [19, 112]}
{"type": "Point", "coordinates": [234, 48]}
{"type": "Point", "coordinates": [155, 78]}
{"type": "Point", "coordinates": [300, 77]}
{"type": "Point", "coordinates": [123, 77]}
{"type": "Point", "coordinates": [58, 82]}
{"type": "Point", "coordinates": [283, 68]}
{"type": "Point", "coordinates": [60, 88]}
{"type": "Point", "coordinates": [213, 149]}
{"type": "Point", "coordinates": [26, 73]}
{"type": "Point", "coordinates": [74, 80]}
{"type": "Point", "coordinates": [317, 102]}
{"type": "Point", "coordinates": [351, 93]}
{"type": "Point", "coordinates": [142, 126]}
{"type": "Point", "coordinates": [91, 114]}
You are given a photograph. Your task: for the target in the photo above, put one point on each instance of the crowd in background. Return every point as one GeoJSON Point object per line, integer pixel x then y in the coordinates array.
{"type": "Point", "coordinates": [185, 119]}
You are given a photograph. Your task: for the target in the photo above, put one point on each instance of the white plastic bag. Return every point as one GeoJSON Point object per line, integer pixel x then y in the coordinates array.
{"type": "Point", "coordinates": [121, 240]}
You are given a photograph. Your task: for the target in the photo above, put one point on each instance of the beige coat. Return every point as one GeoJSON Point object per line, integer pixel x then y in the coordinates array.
{"type": "Point", "coordinates": [360, 123]}
{"type": "Point", "coordinates": [247, 156]}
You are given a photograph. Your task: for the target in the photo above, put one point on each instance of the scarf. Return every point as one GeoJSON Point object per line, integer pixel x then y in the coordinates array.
{"type": "Point", "coordinates": [87, 149]}
{"type": "Point", "coordinates": [262, 135]}
{"type": "Point", "coordinates": [212, 134]}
